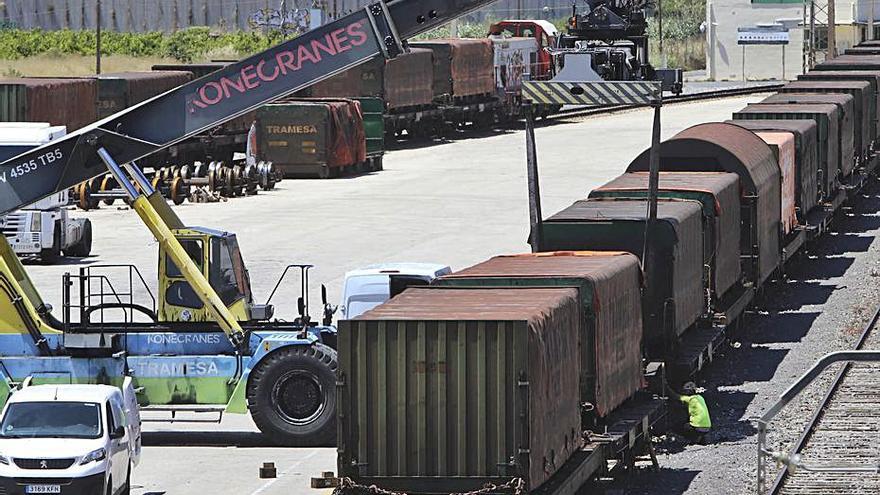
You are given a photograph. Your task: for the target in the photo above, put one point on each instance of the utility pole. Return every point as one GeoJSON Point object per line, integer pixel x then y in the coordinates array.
{"type": "Point", "coordinates": [660, 32]}
{"type": "Point", "coordinates": [98, 38]}
{"type": "Point", "coordinates": [832, 28]}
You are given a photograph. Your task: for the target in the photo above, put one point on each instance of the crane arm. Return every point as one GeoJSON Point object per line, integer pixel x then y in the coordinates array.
{"type": "Point", "coordinates": [203, 104]}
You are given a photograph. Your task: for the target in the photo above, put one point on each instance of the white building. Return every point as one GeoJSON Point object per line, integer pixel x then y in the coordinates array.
{"type": "Point", "coordinates": [727, 60]}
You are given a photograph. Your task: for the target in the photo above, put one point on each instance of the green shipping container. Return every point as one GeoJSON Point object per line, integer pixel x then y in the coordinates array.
{"type": "Point", "coordinates": [373, 110]}
{"type": "Point", "coordinates": [609, 284]}
{"type": "Point", "coordinates": [442, 390]}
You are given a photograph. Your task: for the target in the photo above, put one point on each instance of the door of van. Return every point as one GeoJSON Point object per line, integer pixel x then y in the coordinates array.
{"type": "Point", "coordinates": [133, 415]}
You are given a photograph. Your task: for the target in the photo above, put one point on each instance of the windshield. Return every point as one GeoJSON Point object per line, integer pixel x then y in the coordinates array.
{"type": "Point", "coordinates": [52, 420]}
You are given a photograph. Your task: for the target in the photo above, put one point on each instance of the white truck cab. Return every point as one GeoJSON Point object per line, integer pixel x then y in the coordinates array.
{"type": "Point", "coordinates": [368, 287]}
{"type": "Point", "coordinates": [69, 439]}
{"type": "Point", "coordinates": [43, 229]}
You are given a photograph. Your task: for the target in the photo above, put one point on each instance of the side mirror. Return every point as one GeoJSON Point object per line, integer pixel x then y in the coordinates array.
{"type": "Point", "coordinates": [301, 306]}
{"type": "Point", "coordinates": [119, 432]}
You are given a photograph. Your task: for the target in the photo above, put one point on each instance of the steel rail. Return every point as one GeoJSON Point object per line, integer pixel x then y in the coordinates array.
{"type": "Point", "coordinates": [807, 434]}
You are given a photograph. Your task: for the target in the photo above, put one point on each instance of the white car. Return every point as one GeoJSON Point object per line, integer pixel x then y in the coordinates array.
{"type": "Point", "coordinates": [368, 287]}
{"type": "Point", "coordinates": [69, 439]}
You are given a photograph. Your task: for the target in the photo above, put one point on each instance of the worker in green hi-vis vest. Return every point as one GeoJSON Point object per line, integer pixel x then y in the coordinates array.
{"type": "Point", "coordinates": [699, 423]}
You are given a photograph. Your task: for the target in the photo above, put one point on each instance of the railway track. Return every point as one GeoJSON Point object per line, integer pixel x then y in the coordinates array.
{"type": "Point", "coordinates": [845, 430]}
{"type": "Point", "coordinates": [698, 96]}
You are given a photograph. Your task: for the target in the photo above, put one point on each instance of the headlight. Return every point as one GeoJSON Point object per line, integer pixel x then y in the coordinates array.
{"type": "Point", "coordinates": [93, 456]}
{"type": "Point", "coordinates": [4, 459]}
{"type": "Point", "coordinates": [36, 222]}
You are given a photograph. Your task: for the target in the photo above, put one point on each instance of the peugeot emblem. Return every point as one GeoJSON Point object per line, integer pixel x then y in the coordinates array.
{"type": "Point", "coordinates": [44, 464]}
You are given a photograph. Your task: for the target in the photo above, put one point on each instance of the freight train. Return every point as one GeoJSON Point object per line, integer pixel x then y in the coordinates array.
{"type": "Point", "coordinates": [507, 369]}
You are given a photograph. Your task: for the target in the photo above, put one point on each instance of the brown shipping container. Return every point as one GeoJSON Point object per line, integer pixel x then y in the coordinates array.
{"type": "Point", "coordinates": [806, 156]}
{"type": "Point", "coordinates": [405, 82]}
{"type": "Point", "coordinates": [863, 106]}
{"type": "Point", "coordinates": [719, 194]}
{"type": "Point", "coordinates": [871, 77]}
{"type": "Point", "coordinates": [782, 144]}
{"type": "Point", "coordinates": [610, 292]}
{"type": "Point", "coordinates": [719, 147]}
{"type": "Point", "coordinates": [846, 128]}
{"type": "Point", "coordinates": [310, 137]}
{"type": "Point", "coordinates": [462, 68]}
{"type": "Point", "coordinates": [69, 102]}
{"type": "Point", "coordinates": [675, 292]}
{"type": "Point", "coordinates": [120, 90]}
{"type": "Point", "coordinates": [442, 390]}
{"type": "Point", "coordinates": [826, 118]}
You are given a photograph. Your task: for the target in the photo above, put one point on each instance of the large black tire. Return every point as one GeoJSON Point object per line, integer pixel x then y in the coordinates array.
{"type": "Point", "coordinates": [83, 247]}
{"type": "Point", "coordinates": [292, 396]}
{"type": "Point", "coordinates": [50, 256]}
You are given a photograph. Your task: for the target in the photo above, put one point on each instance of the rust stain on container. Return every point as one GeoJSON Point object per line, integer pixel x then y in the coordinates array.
{"type": "Point", "coordinates": [506, 406]}
{"type": "Point", "coordinates": [724, 147]}
{"type": "Point", "coordinates": [783, 147]}
{"type": "Point", "coordinates": [610, 337]}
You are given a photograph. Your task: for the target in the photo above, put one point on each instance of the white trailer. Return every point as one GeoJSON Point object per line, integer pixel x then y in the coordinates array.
{"type": "Point", "coordinates": [42, 230]}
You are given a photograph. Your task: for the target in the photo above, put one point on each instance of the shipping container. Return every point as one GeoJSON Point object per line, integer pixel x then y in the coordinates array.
{"type": "Point", "coordinates": [445, 389]}
{"type": "Point", "coordinates": [862, 50]}
{"type": "Point", "coordinates": [826, 118]}
{"type": "Point", "coordinates": [675, 295]}
{"type": "Point", "coordinates": [373, 110]}
{"type": "Point", "coordinates": [871, 77]}
{"type": "Point", "coordinates": [782, 144]}
{"type": "Point", "coordinates": [806, 157]}
{"type": "Point", "coordinates": [719, 147]}
{"type": "Point", "coordinates": [863, 106]}
{"type": "Point", "coordinates": [404, 83]}
{"type": "Point", "coordinates": [312, 138]}
{"type": "Point", "coordinates": [610, 338]}
{"type": "Point", "coordinates": [198, 70]}
{"type": "Point", "coordinates": [718, 193]}
{"type": "Point", "coordinates": [118, 91]}
{"type": "Point", "coordinates": [846, 126]}
{"type": "Point", "coordinates": [65, 101]}
{"type": "Point", "coordinates": [463, 68]}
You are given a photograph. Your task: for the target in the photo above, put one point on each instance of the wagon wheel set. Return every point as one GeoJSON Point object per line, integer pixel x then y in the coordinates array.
{"type": "Point", "coordinates": [187, 182]}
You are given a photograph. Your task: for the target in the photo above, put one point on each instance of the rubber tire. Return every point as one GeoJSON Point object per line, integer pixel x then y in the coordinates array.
{"type": "Point", "coordinates": [83, 248]}
{"type": "Point", "coordinates": [320, 360]}
{"type": "Point", "coordinates": [52, 255]}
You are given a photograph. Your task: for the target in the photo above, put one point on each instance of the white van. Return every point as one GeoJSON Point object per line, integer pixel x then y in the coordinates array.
{"type": "Point", "coordinates": [368, 287]}
{"type": "Point", "coordinates": [69, 439]}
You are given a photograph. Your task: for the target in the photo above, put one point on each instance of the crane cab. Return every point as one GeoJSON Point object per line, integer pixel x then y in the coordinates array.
{"type": "Point", "coordinates": [218, 256]}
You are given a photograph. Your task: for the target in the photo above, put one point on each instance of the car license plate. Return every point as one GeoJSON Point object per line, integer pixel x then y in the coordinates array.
{"type": "Point", "coordinates": [43, 489]}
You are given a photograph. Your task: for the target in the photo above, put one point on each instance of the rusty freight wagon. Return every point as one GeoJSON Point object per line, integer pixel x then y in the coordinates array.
{"type": "Point", "coordinates": [728, 148]}
{"type": "Point", "coordinates": [826, 117]}
{"type": "Point", "coordinates": [312, 137]}
{"type": "Point", "coordinates": [871, 77]}
{"type": "Point", "coordinates": [677, 299]}
{"type": "Point", "coordinates": [718, 193]}
{"type": "Point", "coordinates": [444, 389]}
{"type": "Point", "coordinates": [120, 90]}
{"type": "Point", "coordinates": [463, 69]}
{"type": "Point", "coordinates": [64, 101]}
{"type": "Point", "coordinates": [863, 106]}
{"type": "Point", "coordinates": [610, 338]}
{"type": "Point", "coordinates": [806, 157]}
{"type": "Point", "coordinates": [846, 127]}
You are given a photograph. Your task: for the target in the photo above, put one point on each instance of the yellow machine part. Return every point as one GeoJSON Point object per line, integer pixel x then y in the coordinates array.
{"type": "Point", "coordinates": [200, 285]}
{"type": "Point", "coordinates": [16, 285]}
